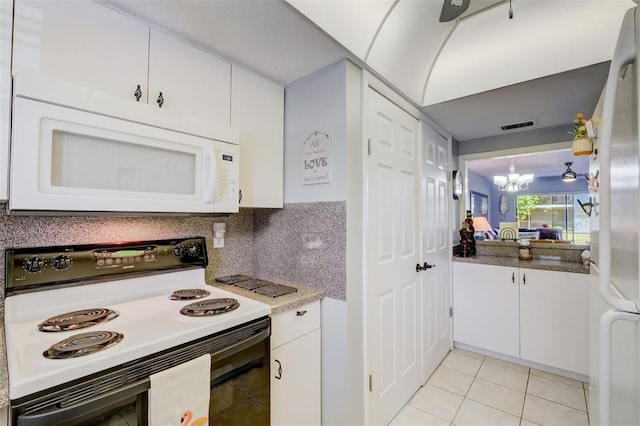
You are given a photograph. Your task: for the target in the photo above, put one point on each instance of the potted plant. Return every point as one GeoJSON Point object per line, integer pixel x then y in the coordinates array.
{"type": "Point", "coordinates": [581, 143]}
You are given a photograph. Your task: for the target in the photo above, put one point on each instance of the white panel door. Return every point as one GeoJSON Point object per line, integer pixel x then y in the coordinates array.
{"type": "Point", "coordinates": [392, 253]}
{"type": "Point", "coordinates": [434, 282]}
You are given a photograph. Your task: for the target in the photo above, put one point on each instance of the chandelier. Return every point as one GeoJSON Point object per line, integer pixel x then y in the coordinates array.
{"type": "Point", "coordinates": [513, 181]}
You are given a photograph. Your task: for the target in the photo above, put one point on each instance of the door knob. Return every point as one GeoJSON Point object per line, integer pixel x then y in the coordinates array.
{"type": "Point", "coordinates": [424, 267]}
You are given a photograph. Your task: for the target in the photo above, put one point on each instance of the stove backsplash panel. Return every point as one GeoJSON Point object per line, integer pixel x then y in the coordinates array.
{"type": "Point", "coordinates": [304, 243]}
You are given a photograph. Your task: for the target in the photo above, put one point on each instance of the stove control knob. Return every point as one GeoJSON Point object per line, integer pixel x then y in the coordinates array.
{"type": "Point", "coordinates": [193, 250]}
{"type": "Point", "coordinates": [34, 264]}
{"type": "Point", "coordinates": [61, 262]}
{"type": "Point", "coordinates": [179, 252]}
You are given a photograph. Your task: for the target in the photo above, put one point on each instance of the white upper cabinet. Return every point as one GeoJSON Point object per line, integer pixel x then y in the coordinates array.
{"type": "Point", "coordinates": [6, 12]}
{"type": "Point", "coordinates": [190, 80]}
{"type": "Point", "coordinates": [257, 110]}
{"type": "Point", "coordinates": [83, 43]}
{"type": "Point", "coordinates": [93, 46]}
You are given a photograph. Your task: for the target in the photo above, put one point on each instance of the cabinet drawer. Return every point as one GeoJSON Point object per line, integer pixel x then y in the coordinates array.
{"type": "Point", "coordinates": [292, 324]}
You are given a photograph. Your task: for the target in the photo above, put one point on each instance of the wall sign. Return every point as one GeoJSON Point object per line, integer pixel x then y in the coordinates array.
{"type": "Point", "coordinates": [316, 159]}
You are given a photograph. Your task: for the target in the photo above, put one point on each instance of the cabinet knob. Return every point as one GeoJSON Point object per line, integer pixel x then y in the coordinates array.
{"type": "Point", "coordinates": [138, 93]}
{"type": "Point", "coordinates": [239, 196]}
{"type": "Point", "coordinates": [160, 100]}
{"type": "Point", "coordinates": [300, 313]}
{"type": "Point", "coordinates": [524, 278]}
{"type": "Point", "coordinates": [279, 376]}
{"type": "Point", "coordinates": [513, 277]}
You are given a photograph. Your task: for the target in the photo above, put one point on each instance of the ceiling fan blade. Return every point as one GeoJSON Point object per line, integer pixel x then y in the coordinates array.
{"type": "Point", "coordinates": [450, 12]}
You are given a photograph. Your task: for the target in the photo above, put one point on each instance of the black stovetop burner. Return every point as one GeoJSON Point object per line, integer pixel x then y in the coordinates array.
{"type": "Point", "coordinates": [83, 344]}
{"type": "Point", "coordinates": [78, 319]}
{"type": "Point", "coordinates": [189, 294]}
{"type": "Point", "coordinates": [210, 307]}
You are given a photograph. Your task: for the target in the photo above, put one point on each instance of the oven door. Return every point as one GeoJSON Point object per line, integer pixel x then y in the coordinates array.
{"type": "Point", "coordinates": [127, 406]}
{"type": "Point", "coordinates": [240, 381]}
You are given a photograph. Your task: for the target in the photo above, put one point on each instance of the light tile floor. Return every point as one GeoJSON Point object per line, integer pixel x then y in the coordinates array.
{"type": "Point", "coordinates": [476, 390]}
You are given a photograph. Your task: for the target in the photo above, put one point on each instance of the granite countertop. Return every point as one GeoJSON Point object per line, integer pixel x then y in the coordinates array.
{"type": "Point", "coordinates": [546, 264]}
{"type": "Point", "coordinates": [4, 375]}
{"type": "Point", "coordinates": [304, 295]}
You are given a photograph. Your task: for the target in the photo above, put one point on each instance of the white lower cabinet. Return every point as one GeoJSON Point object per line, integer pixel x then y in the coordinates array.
{"type": "Point", "coordinates": [296, 367]}
{"type": "Point", "coordinates": [554, 319]}
{"type": "Point", "coordinates": [537, 315]}
{"type": "Point", "coordinates": [485, 307]}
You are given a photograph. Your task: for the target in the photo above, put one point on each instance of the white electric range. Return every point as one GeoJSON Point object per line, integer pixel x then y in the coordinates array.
{"type": "Point", "coordinates": [128, 285]}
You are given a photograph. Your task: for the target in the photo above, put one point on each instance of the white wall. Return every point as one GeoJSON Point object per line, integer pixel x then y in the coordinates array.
{"type": "Point", "coordinates": [313, 103]}
{"type": "Point", "coordinates": [334, 362]}
{"type": "Point", "coordinates": [329, 101]}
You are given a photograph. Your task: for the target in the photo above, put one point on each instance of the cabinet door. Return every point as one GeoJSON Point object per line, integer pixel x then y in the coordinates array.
{"type": "Point", "coordinates": [554, 319]}
{"type": "Point", "coordinates": [485, 307]}
{"type": "Point", "coordinates": [82, 42]}
{"type": "Point", "coordinates": [295, 382]}
{"type": "Point", "coordinates": [6, 13]}
{"type": "Point", "coordinates": [191, 81]}
{"type": "Point", "coordinates": [257, 109]}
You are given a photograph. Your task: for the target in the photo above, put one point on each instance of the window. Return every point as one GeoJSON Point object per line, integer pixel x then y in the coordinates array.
{"type": "Point", "coordinates": [556, 216]}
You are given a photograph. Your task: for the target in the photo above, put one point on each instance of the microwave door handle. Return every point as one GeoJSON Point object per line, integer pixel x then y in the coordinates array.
{"type": "Point", "coordinates": [209, 176]}
{"type": "Point", "coordinates": [624, 55]}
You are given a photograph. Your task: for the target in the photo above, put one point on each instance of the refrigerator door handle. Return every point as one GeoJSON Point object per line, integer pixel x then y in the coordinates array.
{"type": "Point", "coordinates": [624, 55]}
{"type": "Point", "coordinates": [606, 326]}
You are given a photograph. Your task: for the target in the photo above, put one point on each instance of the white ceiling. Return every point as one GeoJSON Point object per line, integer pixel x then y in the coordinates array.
{"type": "Point", "coordinates": [550, 101]}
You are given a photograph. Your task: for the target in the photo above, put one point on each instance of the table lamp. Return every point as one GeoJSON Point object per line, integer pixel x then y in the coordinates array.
{"type": "Point", "coordinates": [481, 225]}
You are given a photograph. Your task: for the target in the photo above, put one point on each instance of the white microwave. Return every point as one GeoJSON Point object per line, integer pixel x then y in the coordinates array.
{"type": "Point", "coordinates": [77, 150]}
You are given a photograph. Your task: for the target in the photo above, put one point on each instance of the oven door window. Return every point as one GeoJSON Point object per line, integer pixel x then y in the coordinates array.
{"type": "Point", "coordinates": [240, 387]}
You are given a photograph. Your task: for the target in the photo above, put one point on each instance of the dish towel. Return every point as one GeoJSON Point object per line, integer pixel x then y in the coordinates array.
{"type": "Point", "coordinates": [180, 395]}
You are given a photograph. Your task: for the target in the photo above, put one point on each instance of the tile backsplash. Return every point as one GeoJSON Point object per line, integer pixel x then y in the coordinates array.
{"type": "Point", "coordinates": [305, 243]}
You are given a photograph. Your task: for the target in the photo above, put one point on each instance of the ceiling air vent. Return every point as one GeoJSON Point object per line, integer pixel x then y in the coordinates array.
{"type": "Point", "coordinates": [519, 126]}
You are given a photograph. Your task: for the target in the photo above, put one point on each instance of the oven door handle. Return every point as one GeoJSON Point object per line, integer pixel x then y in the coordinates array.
{"type": "Point", "coordinates": [240, 346]}
{"type": "Point", "coordinates": [84, 410]}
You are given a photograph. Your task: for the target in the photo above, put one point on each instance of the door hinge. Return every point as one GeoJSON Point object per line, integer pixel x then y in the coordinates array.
{"type": "Point", "coordinates": [369, 146]}
{"type": "Point", "coordinates": [370, 383]}
{"type": "Point", "coordinates": [451, 312]}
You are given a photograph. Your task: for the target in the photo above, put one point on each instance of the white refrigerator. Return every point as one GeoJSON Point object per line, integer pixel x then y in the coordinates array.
{"type": "Point", "coordinates": [614, 392]}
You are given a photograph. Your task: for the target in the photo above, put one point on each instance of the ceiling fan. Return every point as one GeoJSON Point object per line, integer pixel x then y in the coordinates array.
{"type": "Point", "coordinates": [451, 9]}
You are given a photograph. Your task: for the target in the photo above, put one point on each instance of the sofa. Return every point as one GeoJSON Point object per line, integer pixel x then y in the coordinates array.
{"type": "Point", "coordinates": [545, 233]}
